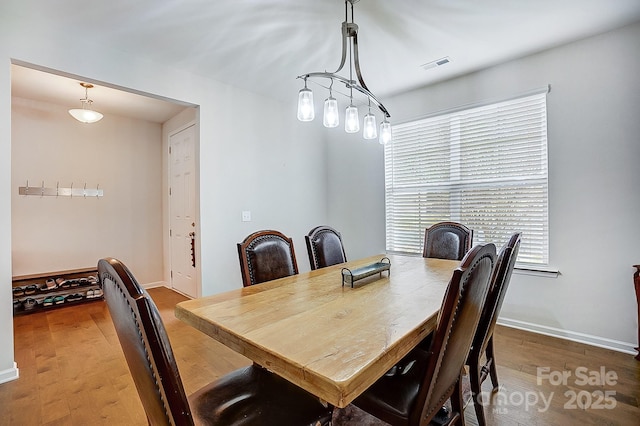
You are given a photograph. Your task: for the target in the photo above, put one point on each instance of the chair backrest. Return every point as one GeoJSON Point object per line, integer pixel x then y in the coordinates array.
{"type": "Point", "coordinates": [456, 326]}
{"type": "Point", "coordinates": [324, 247]}
{"type": "Point", "coordinates": [145, 345]}
{"type": "Point", "coordinates": [447, 240]}
{"type": "Point", "coordinates": [497, 290]}
{"type": "Point", "coordinates": [266, 255]}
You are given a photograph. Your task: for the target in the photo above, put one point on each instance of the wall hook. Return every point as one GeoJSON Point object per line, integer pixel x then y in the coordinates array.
{"type": "Point", "coordinates": [59, 191]}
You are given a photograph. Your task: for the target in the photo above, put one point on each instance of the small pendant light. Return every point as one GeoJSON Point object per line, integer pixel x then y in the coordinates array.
{"type": "Point", "coordinates": [305, 104]}
{"type": "Point", "coordinates": [86, 114]}
{"type": "Point", "coordinates": [370, 128]}
{"type": "Point", "coordinates": [331, 116]}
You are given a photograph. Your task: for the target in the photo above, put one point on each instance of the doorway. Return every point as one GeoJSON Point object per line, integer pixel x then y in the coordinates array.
{"type": "Point", "coordinates": [51, 148]}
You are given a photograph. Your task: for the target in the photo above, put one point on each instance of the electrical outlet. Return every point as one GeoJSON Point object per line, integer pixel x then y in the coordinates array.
{"type": "Point", "coordinates": [246, 216]}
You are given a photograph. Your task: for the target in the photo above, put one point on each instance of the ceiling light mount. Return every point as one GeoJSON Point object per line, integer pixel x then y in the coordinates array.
{"type": "Point", "coordinates": [86, 114]}
{"type": "Point", "coordinates": [305, 97]}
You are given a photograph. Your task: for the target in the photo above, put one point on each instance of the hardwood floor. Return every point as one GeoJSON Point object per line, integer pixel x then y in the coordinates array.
{"type": "Point", "coordinates": [72, 372]}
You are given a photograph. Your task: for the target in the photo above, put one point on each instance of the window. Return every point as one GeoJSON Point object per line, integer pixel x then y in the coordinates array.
{"type": "Point", "coordinates": [485, 167]}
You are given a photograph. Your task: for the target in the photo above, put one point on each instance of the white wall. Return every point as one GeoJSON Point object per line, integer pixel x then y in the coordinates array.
{"type": "Point", "coordinates": [356, 192]}
{"type": "Point", "coordinates": [593, 128]}
{"type": "Point", "coordinates": [121, 155]}
{"type": "Point", "coordinates": [262, 160]}
{"type": "Point", "coordinates": [7, 365]}
{"type": "Point", "coordinates": [273, 166]}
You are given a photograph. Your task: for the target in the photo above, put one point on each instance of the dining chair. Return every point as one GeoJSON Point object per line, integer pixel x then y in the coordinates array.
{"type": "Point", "coordinates": [324, 247]}
{"type": "Point", "coordinates": [483, 340]}
{"type": "Point", "coordinates": [248, 396]}
{"type": "Point", "coordinates": [266, 255]}
{"type": "Point", "coordinates": [447, 240]}
{"type": "Point", "coordinates": [415, 395]}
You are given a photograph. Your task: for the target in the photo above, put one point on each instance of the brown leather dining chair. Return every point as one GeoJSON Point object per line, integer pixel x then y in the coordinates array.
{"type": "Point", "coordinates": [483, 340]}
{"type": "Point", "coordinates": [248, 396]}
{"type": "Point", "coordinates": [447, 240]}
{"type": "Point", "coordinates": [416, 394]}
{"type": "Point", "coordinates": [266, 255]}
{"type": "Point", "coordinates": [324, 247]}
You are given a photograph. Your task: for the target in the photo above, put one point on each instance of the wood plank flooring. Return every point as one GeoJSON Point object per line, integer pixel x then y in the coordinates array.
{"type": "Point", "coordinates": [72, 372]}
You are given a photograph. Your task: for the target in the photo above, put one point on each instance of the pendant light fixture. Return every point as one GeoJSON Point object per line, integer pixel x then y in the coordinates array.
{"type": "Point", "coordinates": [369, 131]}
{"type": "Point", "coordinates": [352, 120]}
{"type": "Point", "coordinates": [385, 132]}
{"type": "Point", "coordinates": [86, 114]}
{"type": "Point", "coordinates": [305, 104]}
{"type": "Point", "coordinates": [331, 116]}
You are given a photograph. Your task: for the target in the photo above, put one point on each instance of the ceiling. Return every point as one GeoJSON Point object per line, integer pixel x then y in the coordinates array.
{"type": "Point", "coordinates": [29, 83]}
{"type": "Point", "coordinates": [263, 45]}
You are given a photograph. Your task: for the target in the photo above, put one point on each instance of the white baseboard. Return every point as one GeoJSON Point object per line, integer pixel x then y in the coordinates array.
{"type": "Point", "coordinates": [9, 374]}
{"type": "Point", "coordinates": [587, 339]}
{"type": "Point", "coordinates": [164, 284]}
{"type": "Point", "coordinates": [155, 284]}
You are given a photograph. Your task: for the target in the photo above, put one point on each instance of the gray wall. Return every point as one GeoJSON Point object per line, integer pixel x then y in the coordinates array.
{"type": "Point", "coordinates": [594, 181]}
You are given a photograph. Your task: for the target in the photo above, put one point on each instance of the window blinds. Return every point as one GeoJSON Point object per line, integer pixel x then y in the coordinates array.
{"type": "Point", "coordinates": [485, 167]}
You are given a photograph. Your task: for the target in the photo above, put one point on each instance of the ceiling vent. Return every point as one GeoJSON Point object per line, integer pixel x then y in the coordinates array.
{"type": "Point", "coordinates": [436, 63]}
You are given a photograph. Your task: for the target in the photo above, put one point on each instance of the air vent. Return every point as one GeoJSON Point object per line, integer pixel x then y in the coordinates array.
{"type": "Point", "coordinates": [436, 63]}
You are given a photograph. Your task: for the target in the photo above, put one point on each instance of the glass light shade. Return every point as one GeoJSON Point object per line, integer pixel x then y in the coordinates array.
{"type": "Point", "coordinates": [85, 115]}
{"type": "Point", "coordinates": [385, 132]}
{"type": "Point", "coordinates": [305, 105]}
{"type": "Point", "coordinates": [351, 120]}
{"type": "Point", "coordinates": [331, 114]}
{"type": "Point", "coordinates": [370, 128]}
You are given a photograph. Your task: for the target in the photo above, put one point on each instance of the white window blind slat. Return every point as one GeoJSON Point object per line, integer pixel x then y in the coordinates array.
{"type": "Point", "coordinates": [485, 167]}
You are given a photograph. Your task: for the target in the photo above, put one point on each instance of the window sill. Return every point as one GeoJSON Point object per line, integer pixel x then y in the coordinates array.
{"type": "Point", "coordinates": [537, 271]}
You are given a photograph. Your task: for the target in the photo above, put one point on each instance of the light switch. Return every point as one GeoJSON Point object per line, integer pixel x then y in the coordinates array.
{"type": "Point", "coordinates": [246, 216]}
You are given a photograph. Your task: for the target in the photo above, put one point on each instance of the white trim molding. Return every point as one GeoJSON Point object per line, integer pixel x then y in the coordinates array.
{"type": "Point", "coordinates": [573, 336]}
{"type": "Point", "coordinates": [9, 374]}
{"type": "Point", "coordinates": [155, 284]}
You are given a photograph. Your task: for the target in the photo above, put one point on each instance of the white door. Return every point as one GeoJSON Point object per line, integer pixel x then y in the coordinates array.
{"type": "Point", "coordinates": [182, 209]}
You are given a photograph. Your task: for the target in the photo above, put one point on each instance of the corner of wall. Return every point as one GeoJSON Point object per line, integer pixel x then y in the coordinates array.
{"type": "Point", "coordinates": [9, 374]}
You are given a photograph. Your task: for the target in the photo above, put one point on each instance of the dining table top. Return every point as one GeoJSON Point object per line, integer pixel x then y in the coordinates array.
{"type": "Point", "coordinates": [331, 339]}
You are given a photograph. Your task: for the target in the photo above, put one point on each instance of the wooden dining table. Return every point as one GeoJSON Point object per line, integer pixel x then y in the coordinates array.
{"type": "Point", "coordinates": [328, 338]}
